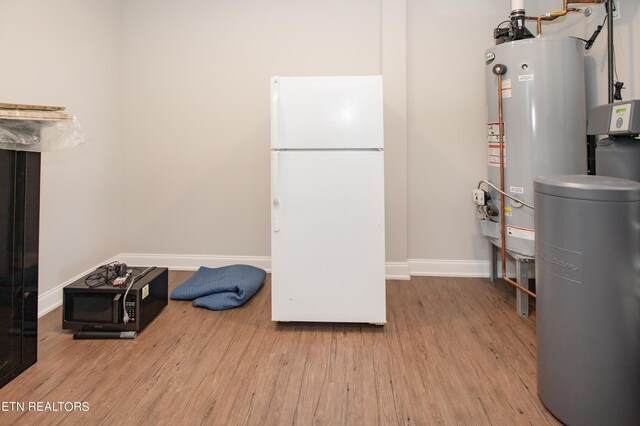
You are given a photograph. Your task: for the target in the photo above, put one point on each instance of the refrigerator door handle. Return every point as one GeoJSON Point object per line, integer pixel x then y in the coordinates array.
{"type": "Point", "coordinates": [275, 192]}
{"type": "Point", "coordinates": [275, 95]}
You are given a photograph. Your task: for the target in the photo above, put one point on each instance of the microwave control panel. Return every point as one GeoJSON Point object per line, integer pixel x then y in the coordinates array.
{"type": "Point", "coordinates": [131, 310]}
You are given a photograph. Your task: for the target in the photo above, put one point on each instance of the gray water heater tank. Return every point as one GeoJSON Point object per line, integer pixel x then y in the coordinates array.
{"type": "Point", "coordinates": [588, 303]}
{"type": "Point", "coordinates": [544, 122]}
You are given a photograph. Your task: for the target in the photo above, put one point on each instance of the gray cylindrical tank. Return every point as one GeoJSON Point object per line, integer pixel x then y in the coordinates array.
{"type": "Point", "coordinates": [545, 125]}
{"type": "Point", "coordinates": [588, 303]}
{"type": "Point", "coordinates": [619, 157]}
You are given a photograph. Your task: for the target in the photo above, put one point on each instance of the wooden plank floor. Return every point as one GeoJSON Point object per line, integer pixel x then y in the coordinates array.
{"type": "Point", "coordinates": [453, 352]}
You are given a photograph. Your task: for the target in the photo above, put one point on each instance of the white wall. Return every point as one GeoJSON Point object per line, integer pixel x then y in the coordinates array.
{"type": "Point", "coordinates": [196, 100]}
{"type": "Point", "coordinates": [174, 96]}
{"type": "Point", "coordinates": [394, 70]}
{"type": "Point", "coordinates": [446, 121]}
{"type": "Point", "coordinates": [68, 53]}
{"type": "Point", "coordinates": [446, 42]}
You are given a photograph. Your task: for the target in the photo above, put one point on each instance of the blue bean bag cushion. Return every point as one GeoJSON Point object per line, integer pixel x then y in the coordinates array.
{"type": "Point", "coordinates": [221, 288]}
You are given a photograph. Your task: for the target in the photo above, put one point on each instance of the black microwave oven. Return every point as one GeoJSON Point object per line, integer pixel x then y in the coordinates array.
{"type": "Point", "coordinates": [86, 308]}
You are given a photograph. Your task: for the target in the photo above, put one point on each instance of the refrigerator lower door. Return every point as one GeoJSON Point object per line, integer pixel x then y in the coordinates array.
{"type": "Point", "coordinates": [328, 259]}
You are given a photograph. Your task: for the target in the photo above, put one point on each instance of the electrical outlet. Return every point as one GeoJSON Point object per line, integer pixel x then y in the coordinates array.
{"type": "Point", "coordinates": [616, 10]}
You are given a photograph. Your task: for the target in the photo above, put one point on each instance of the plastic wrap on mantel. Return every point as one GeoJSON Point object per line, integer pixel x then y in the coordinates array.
{"type": "Point", "coordinates": [40, 135]}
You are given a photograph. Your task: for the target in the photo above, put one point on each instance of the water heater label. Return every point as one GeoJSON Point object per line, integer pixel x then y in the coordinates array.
{"type": "Point", "coordinates": [493, 145]}
{"type": "Point", "coordinates": [522, 233]}
{"type": "Point", "coordinates": [516, 190]}
{"type": "Point", "coordinates": [506, 88]}
{"type": "Point", "coordinates": [493, 129]}
{"type": "Point", "coordinates": [495, 139]}
{"type": "Point", "coordinates": [493, 154]}
{"type": "Point", "coordinates": [526, 77]}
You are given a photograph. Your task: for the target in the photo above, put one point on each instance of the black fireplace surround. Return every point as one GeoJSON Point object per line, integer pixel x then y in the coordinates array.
{"type": "Point", "coordinates": [19, 225]}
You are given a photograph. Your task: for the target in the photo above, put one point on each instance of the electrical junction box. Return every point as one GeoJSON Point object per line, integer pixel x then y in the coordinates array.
{"type": "Point", "coordinates": [480, 197]}
{"type": "Point", "coordinates": [617, 119]}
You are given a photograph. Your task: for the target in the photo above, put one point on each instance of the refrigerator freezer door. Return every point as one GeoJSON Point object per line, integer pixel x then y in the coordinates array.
{"type": "Point", "coordinates": [327, 112]}
{"type": "Point", "coordinates": [327, 245]}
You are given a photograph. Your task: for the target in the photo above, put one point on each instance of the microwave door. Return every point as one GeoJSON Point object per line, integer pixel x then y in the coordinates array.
{"type": "Point", "coordinates": [93, 308]}
{"type": "Point", "coordinates": [117, 304]}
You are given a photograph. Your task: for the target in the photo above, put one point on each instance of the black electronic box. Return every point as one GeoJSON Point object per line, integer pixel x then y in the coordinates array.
{"type": "Point", "coordinates": [102, 308]}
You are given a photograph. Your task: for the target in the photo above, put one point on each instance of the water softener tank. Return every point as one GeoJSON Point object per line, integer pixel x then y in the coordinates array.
{"type": "Point", "coordinates": [619, 158]}
{"type": "Point", "coordinates": [544, 114]}
{"type": "Point", "coordinates": [618, 155]}
{"type": "Point", "coordinates": [588, 310]}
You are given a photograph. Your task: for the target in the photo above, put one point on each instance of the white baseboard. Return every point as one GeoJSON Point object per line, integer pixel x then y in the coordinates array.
{"type": "Point", "coordinates": [394, 270]}
{"type": "Point", "coordinates": [397, 271]}
{"type": "Point", "coordinates": [192, 262]}
{"type": "Point", "coordinates": [51, 299]}
{"type": "Point", "coordinates": [449, 268]}
{"type": "Point", "coordinates": [454, 268]}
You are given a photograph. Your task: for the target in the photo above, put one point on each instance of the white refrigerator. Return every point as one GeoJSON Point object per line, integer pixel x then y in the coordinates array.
{"type": "Point", "coordinates": [327, 195]}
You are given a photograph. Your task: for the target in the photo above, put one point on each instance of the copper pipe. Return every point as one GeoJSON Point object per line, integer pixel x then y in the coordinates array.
{"type": "Point", "coordinates": [501, 144]}
{"type": "Point", "coordinates": [539, 26]}
{"type": "Point", "coordinates": [518, 286]}
{"type": "Point", "coordinates": [503, 235]}
{"type": "Point", "coordinates": [550, 16]}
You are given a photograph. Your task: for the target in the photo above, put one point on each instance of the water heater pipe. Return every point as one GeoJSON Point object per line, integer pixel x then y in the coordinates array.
{"type": "Point", "coordinates": [517, 5]}
{"type": "Point", "coordinates": [550, 16]}
{"type": "Point", "coordinates": [503, 236]}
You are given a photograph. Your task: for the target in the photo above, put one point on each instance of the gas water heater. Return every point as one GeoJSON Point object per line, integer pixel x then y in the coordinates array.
{"type": "Point", "coordinates": [544, 129]}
